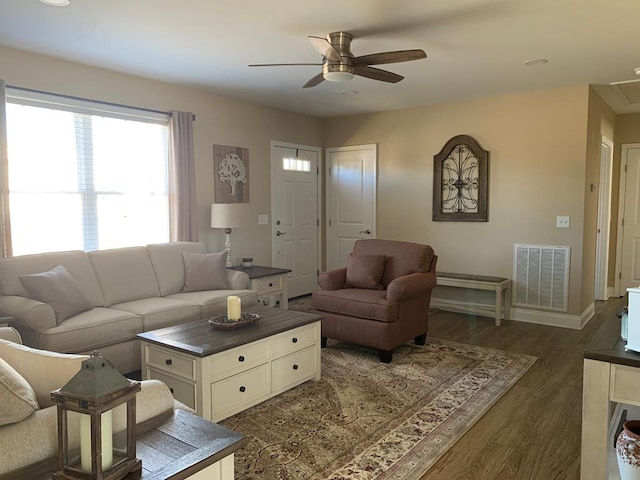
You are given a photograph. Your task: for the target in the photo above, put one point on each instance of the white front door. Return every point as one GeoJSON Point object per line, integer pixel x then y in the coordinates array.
{"type": "Point", "coordinates": [295, 214]}
{"type": "Point", "coordinates": [351, 200]}
{"type": "Point", "coordinates": [630, 215]}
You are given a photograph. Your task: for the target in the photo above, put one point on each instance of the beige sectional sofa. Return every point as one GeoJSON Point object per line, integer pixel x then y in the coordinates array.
{"type": "Point", "coordinates": [128, 290]}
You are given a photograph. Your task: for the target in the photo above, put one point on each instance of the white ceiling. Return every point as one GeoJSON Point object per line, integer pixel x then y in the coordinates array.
{"type": "Point", "coordinates": [475, 48]}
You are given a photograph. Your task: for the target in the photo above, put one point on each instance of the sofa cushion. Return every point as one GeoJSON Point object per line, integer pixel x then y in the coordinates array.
{"type": "Point", "coordinates": [205, 271]}
{"type": "Point", "coordinates": [59, 289]}
{"type": "Point", "coordinates": [90, 330]}
{"type": "Point", "coordinates": [124, 274]}
{"type": "Point", "coordinates": [44, 370]}
{"type": "Point", "coordinates": [214, 302]}
{"type": "Point", "coordinates": [168, 263]}
{"type": "Point", "coordinates": [365, 271]}
{"type": "Point", "coordinates": [76, 262]}
{"type": "Point", "coordinates": [159, 312]}
{"type": "Point", "coordinates": [17, 398]}
{"type": "Point", "coordinates": [369, 304]}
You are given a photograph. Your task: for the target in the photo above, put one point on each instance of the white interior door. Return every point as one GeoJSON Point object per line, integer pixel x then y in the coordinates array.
{"type": "Point", "coordinates": [351, 200]}
{"type": "Point", "coordinates": [604, 219]}
{"type": "Point", "coordinates": [630, 217]}
{"type": "Point", "coordinates": [295, 214]}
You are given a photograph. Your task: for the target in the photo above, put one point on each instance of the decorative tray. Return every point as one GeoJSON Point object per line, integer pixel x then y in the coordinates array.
{"type": "Point", "coordinates": [223, 322]}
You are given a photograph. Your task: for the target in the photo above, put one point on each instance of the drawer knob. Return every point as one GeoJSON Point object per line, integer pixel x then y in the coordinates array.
{"type": "Point", "coordinates": [270, 284]}
{"type": "Point", "coordinates": [295, 366]}
{"type": "Point", "coordinates": [294, 340]}
{"type": "Point", "coordinates": [241, 358]}
{"type": "Point", "coordinates": [242, 389]}
{"type": "Point", "coordinates": [168, 361]}
{"type": "Point", "coordinates": [171, 389]}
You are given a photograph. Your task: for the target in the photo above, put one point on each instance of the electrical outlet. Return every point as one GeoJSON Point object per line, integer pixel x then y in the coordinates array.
{"type": "Point", "coordinates": [562, 221]}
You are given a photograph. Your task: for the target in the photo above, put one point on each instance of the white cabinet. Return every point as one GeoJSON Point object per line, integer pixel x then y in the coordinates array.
{"type": "Point", "coordinates": [225, 383]}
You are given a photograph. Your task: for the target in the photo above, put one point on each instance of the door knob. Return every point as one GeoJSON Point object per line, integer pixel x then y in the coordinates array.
{"type": "Point", "coordinates": [278, 233]}
{"type": "Point", "coordinates": [367, 231]}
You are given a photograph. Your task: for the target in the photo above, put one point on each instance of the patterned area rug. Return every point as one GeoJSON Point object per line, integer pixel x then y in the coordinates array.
{"type": "Point", "coordinates": [367, 420]}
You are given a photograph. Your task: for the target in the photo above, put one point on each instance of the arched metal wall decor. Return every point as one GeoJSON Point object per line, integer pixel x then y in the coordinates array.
{"type": "Point", "coordinates": [460, 181]}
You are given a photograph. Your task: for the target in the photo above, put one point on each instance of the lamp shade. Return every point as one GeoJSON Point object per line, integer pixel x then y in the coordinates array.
{"type": "Point", "coordinates": [228, 215]}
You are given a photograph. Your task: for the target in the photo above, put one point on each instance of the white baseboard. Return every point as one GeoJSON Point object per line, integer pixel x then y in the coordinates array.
{"type": "Point", "coordinates": [541, 317]}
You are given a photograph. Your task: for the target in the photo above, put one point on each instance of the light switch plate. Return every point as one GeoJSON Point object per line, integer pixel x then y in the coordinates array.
{"type": "Point", "coordinates": [263, 219]}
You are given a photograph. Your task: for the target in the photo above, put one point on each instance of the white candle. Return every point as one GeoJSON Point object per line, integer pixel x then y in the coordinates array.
{"type": "Point", "coordinates": [85, 441]}
{"type": "Point", "coordinates": [233, 307]}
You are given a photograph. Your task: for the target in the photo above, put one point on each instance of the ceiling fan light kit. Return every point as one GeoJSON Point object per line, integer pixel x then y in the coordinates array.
{"type": "Point", "coordinates": [339, 64]}
{"type": "Point", "coordinates": [56, 3]}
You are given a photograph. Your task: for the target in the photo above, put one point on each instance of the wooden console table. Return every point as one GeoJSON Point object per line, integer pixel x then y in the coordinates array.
{"type": "Point", "coordinates": [501, 287]}
{"type": "Point", "coordinates": [611, 374]}
{"type": "Point", "coordinates": [173, 447]}
{"type": "Point", "coordinates": [268, 281]}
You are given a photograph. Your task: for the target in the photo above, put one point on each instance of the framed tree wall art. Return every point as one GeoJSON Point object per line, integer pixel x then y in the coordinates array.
{"type": "Point", "coordinates": [231, 174]}
{"type": "Point", "coordinates": [461, 181]}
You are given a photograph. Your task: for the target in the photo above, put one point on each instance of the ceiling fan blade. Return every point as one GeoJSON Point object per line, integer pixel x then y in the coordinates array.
{"type": "Point", "coordinates": [377, 74]}
{"type": "Point", "coordinates": [390, 57]}
{"type": "Point", "coordinates": [324, 48]}
{"type": "Point", "coordinates": [622, 82]}
{"type": "Point", "coordinates": [284, 64]}
{"type": "Point", "coordinates": [314, 81]}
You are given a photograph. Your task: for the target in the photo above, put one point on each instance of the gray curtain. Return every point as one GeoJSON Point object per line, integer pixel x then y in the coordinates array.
{"type": "Point", "coordinates": [182, 179]}
{"type": "Point", "coordinates": [6, 249]}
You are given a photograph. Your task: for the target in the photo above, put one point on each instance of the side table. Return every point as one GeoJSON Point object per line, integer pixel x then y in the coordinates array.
{"type": "Point", "coordinates": [177, 446]}
{"type": "Point", "coordinates": [268, 282]}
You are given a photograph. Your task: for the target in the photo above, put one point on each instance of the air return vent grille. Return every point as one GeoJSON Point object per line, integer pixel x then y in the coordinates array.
{"type": "Point", "coordinates": [541, 276]}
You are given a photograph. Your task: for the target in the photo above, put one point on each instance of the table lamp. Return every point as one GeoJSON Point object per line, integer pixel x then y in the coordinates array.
{"type": "Point", "coordinates": [227, 216]}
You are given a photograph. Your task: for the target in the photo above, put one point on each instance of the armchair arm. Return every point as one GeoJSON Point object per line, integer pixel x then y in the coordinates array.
{"type": "Point", "coordinates": [333, 279]}
{"type": "Point", "coordinates": [11, 334]}
{"type": "Point", "coordinates": [410, 286]}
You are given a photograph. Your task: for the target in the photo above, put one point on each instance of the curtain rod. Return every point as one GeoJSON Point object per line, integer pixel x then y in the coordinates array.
{"type": "Point", "coordinates": [111, 104]}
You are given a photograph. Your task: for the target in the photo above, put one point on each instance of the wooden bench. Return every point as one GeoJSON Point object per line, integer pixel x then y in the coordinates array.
{"type": "Point", "coordinates": [501, 286]}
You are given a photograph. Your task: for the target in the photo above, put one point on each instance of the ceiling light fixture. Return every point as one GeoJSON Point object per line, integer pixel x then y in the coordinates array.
{"type": "Point", "coordinates": [56, 3]}
{"type": "Point", "coordinates": [349, 92]}
{"type": "Point", "coordinates": [536, 61]}
{"type": "Point", "coordinates": [338, 72]}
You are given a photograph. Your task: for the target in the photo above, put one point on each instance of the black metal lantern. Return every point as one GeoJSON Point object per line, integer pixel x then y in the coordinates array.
{"type": "Point", "coordinates": [94, 392]}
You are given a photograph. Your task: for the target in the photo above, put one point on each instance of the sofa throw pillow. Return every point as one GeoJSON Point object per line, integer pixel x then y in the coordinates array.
{"type": "Point", "coordinates": [44, 370]}
{"type": "Point", "coordinates": [205, 271]}
{"type": "Point", "coordinates": [16, 396]}
{"type": "Point", "coordinates": [58, 289]}
{"type": "Point", "coordinates": [365, 271]}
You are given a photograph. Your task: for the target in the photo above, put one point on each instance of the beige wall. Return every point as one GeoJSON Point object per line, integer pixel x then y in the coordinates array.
{"type": "Point", "coordinates": [219, 121]}
{"type": "Point", "coordinates": [536, 172]}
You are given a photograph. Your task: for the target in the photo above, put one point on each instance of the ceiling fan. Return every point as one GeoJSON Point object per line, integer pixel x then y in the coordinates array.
{"type": "Point", "coordinates": [339, 64]}
{"type": "Point", "coordinates": [622, 82]}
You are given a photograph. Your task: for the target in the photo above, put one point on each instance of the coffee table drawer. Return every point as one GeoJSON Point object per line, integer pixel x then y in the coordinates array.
{"type": "Point", "coordinates": [170, 361]}
{"type": "Point", "coordinates": [182, 391]}
{"type": "Point", "coordinates": [292, 340]}
{"type": "Point", "coordinates": [240, 391]}
{"type": "Point", "coordinates": [293, 369]}
{"type": "Point", "coordinates": [239, 359]}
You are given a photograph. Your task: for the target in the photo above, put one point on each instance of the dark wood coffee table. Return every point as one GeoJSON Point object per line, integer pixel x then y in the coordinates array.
{"type": "Point", "coordinates": [219, 373]}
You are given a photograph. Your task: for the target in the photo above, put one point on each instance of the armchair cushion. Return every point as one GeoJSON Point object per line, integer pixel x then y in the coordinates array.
{"type": "Point", "coordinates": [42, 369]}
{"type": "Point", "coordinates": [58, 289]}
{"type": "Point", "coordinates": [205, 271]}
{"type": "Point", "coordinates": [17, 398]}
{"type": "Point", "coordinates": [365, 271]}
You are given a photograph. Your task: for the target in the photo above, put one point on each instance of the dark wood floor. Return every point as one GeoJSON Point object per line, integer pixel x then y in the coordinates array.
{"type": "Point", "coordinates": [533, 431]}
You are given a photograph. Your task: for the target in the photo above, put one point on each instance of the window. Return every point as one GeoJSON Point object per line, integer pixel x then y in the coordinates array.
{"type": "Point", "coordinates": [85, 178]}
{"type": "Point", "coordinates": [296, 165]}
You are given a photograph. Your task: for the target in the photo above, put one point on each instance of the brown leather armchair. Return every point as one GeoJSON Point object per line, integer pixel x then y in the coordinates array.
{"type": "Point", "coordinates": [381, 299]}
